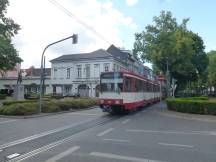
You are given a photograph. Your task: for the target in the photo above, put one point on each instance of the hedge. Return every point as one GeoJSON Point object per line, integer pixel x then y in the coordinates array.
{"type": "Point", "coordinates": [19, 109]}
{"type": "Point", "coordinates": [3, 96]}
{"type": "Point", "coordinates": [29, 107]}
{"type": "Point", "coordinates": [195, 98]}
{"type": "Point", "coordinates": [204, 107]}
{"type": "Point", "coordinates": [22, 101]}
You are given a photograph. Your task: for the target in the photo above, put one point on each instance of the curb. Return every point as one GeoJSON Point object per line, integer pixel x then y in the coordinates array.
{"type": "Point", "coordinates": [46, 114]}
{"type": "Point", "coordinates": [180, 115]}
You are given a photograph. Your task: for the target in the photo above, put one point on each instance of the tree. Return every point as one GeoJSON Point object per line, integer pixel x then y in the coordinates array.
{"type": "Point", "coordinates": [166, 41]}
{"type": "Point", "coordinates": [8, 28]}
{"type": "Point", "coordinates": [212, 69]}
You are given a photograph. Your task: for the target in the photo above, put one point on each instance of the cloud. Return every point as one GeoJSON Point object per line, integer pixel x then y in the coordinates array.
{"type": "Point", "coordinates": [131, 2]}
{"type": "Point", "coordinates": [42, 23]}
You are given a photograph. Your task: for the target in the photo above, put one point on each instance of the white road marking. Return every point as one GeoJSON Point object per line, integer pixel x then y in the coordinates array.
{"type": "Point", "coordinates": [210, 133]}
{"type": "Point", "coordinates": [173, 144]}
{"type": "Point", "coordinates": [7, 121]}
{"type": "Point", "coordinates": [125, 121]}
{"type": "Point", "coordinates": [36, 136]}
{"type": "Point", "coordinates": [13, 156]}
{"type": "Point", "coordinates": [63, 154]}
{"type": "Point", "coordinates": [41, 149]}
{"type": "Point", "coordinates": [105, 132]}
{"type": "Point", "coordinates": [1, 150]}
{"type": "Point", "coordinates": [116, 140]}
{"type": "Point", "coordinates": [120, 157]}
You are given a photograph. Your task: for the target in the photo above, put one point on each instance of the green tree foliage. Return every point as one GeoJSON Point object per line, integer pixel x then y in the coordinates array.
{"type": "Point", "coordinates": [8, 28]}
{"type": "Point", "coordinates": [167, 41]}
{"type": "Point", "coordinates": [212, 68]}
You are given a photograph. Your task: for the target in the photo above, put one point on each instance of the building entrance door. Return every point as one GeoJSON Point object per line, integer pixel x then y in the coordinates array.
{"type": "Point", "coordinates": [83, 90]}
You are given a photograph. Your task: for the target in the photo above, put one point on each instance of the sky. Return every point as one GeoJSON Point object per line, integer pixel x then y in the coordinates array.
{"type": "Point", "coordinates": [98, 23]}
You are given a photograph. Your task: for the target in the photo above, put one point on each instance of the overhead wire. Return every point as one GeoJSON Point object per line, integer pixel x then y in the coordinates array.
{"type": "Point", "coordinates": [70, 14]}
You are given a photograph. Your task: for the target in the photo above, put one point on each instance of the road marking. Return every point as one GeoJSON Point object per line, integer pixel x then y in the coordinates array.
{"type": "Point", "coordinates": [1, 150]}
{"type": "Point", "coordinates": [125, 121]}
{"type": "Point", "coordinates": [210, 133]}
{"type": "Point", "coordinates": [120, 157]}
{"type": "Point", "coordinates": [13, 156]}
{"type": "Point", "coordinates": [173, 144]}
{"type": "Point", "coordinates": [105, 132]}
{"type": "Point", "coordinates": [36, 136]}
{"type": "Point", "coordinates": [7, 121]}
{"type": "Point", "coordinates": [41, 149]}
{"type": "Point", "coordinates": [116, 140]}
{"type": "Point", "coordinates": [63, 154]}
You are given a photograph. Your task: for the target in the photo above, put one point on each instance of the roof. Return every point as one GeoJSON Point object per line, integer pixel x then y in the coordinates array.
{"type": "Point", "coordinates": [116, 52]}
{"type": "Point", "coordinates": [36, 72]}
{"type": "Point", "coordinates": [98, 54]}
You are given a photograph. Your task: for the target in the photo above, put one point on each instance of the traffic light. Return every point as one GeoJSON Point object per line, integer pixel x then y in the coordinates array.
{"type": "Point", "coordinates": [75, 38]}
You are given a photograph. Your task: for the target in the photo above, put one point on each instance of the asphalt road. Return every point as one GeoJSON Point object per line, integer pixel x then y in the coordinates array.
{"type": "Point", "coordinates": [92, 136]}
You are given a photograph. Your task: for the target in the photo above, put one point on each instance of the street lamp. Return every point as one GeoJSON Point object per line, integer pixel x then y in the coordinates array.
{"type": "Point", "coordinates": [74, 41]}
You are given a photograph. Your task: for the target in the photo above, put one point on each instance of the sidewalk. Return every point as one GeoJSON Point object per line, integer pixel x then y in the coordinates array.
{"type": "Point", "coordinates": [161, 109]}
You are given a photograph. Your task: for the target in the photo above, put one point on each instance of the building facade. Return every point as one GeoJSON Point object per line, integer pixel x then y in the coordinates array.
{"type": "Point", "coordinates": [80, 73]}
{"type": "Point", "coordinates": [30, 80]}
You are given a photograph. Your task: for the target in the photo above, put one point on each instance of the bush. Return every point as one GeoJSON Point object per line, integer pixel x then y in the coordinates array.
{"type": "Point", "coordinates": [3, 96]}
{"type": "Point", "coordinates": [57, 96]}
{"type": "Point", "coordinates": [17, 102]}
{"type": "Point", "coordinates": [31, 96]}
{"type": "Point", "coordinates": [194, 98]}
{"type": "Point", "coordinates": [192, 106]}
{"type": "Point", "coordinates": [50, 106]}
{"type": "Point", "coordinates": [29, 107]}
{"type": "Point", "coordinates": [19, 109]}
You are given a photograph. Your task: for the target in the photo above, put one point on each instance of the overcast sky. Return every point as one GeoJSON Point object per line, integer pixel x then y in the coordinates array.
{"type": "Point", "coordinates": [115, 20]}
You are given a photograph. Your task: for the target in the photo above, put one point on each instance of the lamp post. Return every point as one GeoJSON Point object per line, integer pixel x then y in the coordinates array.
{"type": "Point", "coordinates": [74, 41]}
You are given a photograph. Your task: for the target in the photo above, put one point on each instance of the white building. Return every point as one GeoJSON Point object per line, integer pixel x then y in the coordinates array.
{"type": "Point", "coordinates": [80, 73]}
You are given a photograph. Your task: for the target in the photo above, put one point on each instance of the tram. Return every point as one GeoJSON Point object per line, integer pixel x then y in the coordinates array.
{"type": "Point", "coordinates": [123, 92]}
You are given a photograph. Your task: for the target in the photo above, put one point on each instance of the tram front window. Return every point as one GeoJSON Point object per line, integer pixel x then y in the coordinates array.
{"type": "Point", "coordinates": [111, 82]}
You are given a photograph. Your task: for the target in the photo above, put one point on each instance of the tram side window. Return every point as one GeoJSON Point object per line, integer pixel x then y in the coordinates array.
{"type": "Point", "coordinates": [128, 83]}
{"type": "Point", "coordinates": [148, 86]}
{"type": "Point", "coordinates": [152, 86]}
{"type": "Point", "coordinates": [144, 86]}
{"type": "Point", "coordinates": [138, 85]}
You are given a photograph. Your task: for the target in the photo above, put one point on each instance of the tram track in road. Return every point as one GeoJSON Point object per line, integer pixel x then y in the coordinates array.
{"type": "Point", "coordinates": [27, 145]}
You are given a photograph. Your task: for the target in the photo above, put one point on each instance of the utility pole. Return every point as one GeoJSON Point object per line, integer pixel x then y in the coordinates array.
{"type": "Point", "coordinates": [167, 76]}
{"type": "Point", "coordinates": [74, 41]}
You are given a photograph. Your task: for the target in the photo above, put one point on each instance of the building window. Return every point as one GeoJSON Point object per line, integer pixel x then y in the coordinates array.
{"type": "Point", "coordinates": [106, 66]}
{"type": "Point", "coordinates": [79, 71]}
{"type": "Point", "coordinates": [96, 70]}
{"type": "Point", "coordinates": [55, 73]}
{"type": "Point", "coordinates": [114, 67]}
{"type": "Point", "coordinates": [87, 68]}
{"type": "Point", "coordinates": [68, 73]}
{"type": "Point", "coordinates": [68, 89]}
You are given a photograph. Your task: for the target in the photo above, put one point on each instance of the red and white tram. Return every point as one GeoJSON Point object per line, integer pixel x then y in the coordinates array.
{"type": "Point", "coordinates": [126, 91]}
